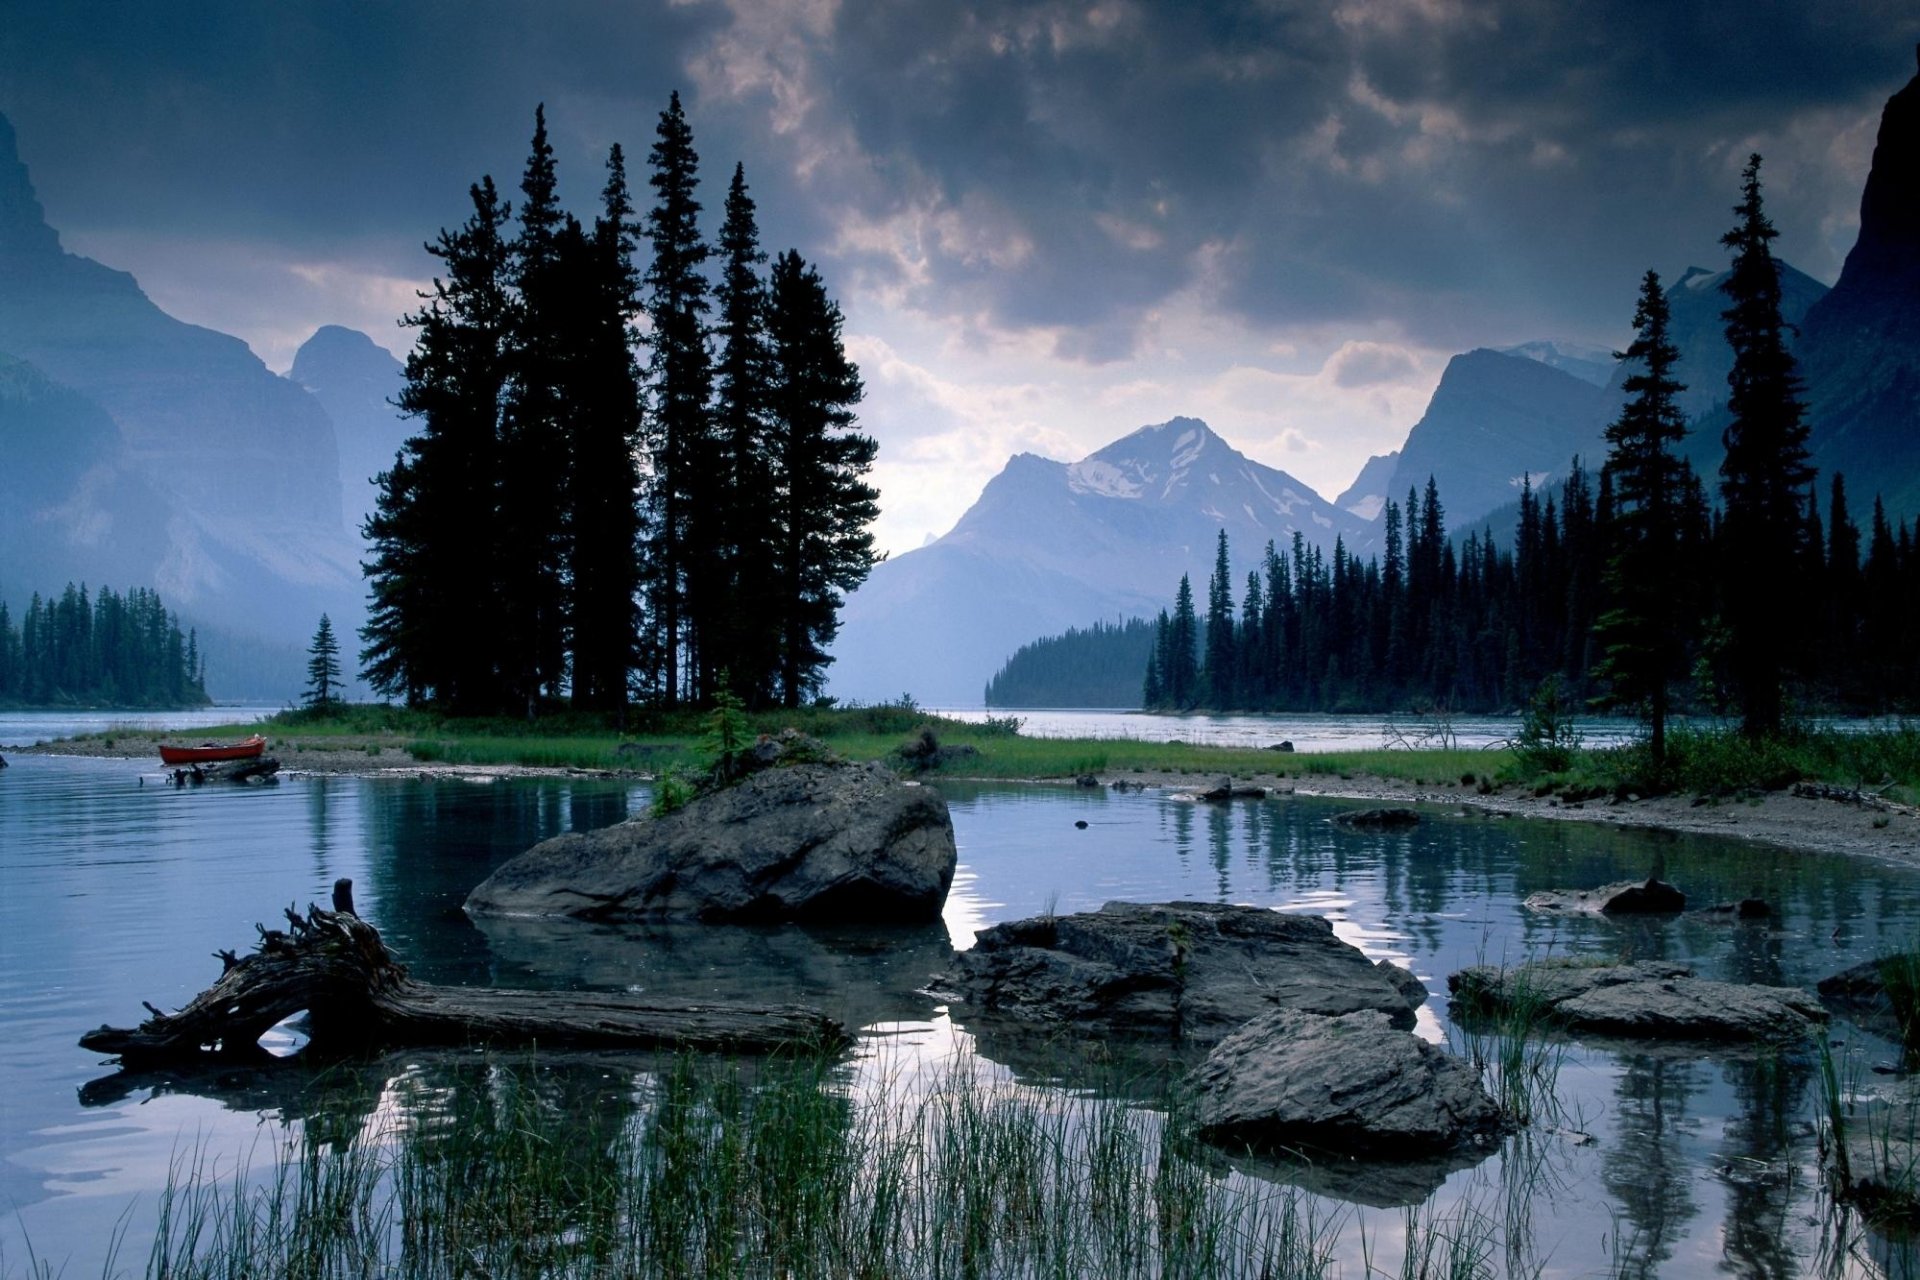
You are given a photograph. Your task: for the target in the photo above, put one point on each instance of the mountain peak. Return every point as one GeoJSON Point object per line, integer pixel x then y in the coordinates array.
{"type": "Point", "coordinates": [1886, 257]}
{"type": "Point", "coordinates": [23, 223]}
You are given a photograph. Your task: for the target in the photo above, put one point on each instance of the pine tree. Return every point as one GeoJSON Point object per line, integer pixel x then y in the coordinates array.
{"type": "Point", "coordinates": [824, 505]}
{"type": "Point", "coordinates": [431, 576]}
{"type": "Point", "coordinates": [1764, 479]}
{"type": "Point", "coordinates": [740, 641]}
{"type": "Point", "coordinates": [323, 666]}
{"type": "Point", "coordinates": [603, 517]}
{"type": "Point", "coordinates": [544, 355]}
{"type": "Point", "coordinates": [679, 435]}
{"type": "Point", "coordinates": [1641, 629]}
{"type": "Point", "coordinates": [1218, 679]}
{"type": "Point", "coordinates": [1182, 683]}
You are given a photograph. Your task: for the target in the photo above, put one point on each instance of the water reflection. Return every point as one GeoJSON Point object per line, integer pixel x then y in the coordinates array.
{"type": "Point", "coordinates": [115, 893]}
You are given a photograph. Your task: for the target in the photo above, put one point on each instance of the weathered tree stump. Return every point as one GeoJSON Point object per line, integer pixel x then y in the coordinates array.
{"type": "Point", "coordinates": [334, 966]}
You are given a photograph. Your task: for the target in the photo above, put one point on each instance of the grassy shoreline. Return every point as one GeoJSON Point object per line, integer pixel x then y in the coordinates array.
{"type": "Point", "coordinates": [1883, 764]}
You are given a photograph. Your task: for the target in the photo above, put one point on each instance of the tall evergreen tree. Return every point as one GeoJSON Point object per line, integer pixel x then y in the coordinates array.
{"type": "Point", "coordinates": [603, 523]}
{"type": "Point", "coordinates": [740, 641]}
{"type": "Point", "coordinates": [431, 575]}
{"type": "Point", "coordinates": [825, 507]}
{"type": "Point", "coordinates": [531, 553]}
{"type": "Point", "coordinates": [323, 666]}
{"type": "Point", "coordinates": [1641, 629]}
{"type": "Point", "coordinates": [1218, 678]}
{"type": "Point", "coordinates": [1182, 682]}
{"type": "Point", "coordinates": [1764, 478]}
{"type": "Point", "coordinates": [679, 436]}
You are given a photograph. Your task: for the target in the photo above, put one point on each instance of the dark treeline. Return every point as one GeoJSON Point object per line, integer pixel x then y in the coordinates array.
{"type": "Point", "coordinates": [1483, 623]}
{"type": "Point", "coordinates": [111, 650]}
{"type": "Point", "coordinates": [1635, 590]}
{"type": "Point", "coordinates": [631, 480]}
{"type": "Point", "coordinates": [1095, 667]}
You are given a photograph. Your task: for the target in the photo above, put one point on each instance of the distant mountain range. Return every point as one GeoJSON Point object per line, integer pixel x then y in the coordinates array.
{"type": "Point", "coordinates": [1055, 544]}
{"type": "Point", "coordinates": [141, 450]}
{"type": "Point", "coordinates": [1051, 545]}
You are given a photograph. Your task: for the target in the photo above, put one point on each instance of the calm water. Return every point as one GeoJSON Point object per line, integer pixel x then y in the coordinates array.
{"type": "Point", "coordinates": [112, 892]}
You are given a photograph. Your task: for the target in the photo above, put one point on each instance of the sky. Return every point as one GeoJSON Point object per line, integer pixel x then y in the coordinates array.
{"type": "Point", "coordinates": [1047, 223]}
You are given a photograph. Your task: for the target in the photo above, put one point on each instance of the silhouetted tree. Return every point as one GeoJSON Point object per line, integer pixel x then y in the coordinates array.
{"type": "Point", "coordinates": [1764, 479]}
{"type": "Point", "coordinates": [431, 576]}
{"type": "Point", "coordinates": [825, 506]}
{"type": "Point", "coordinates": [1641, 629]}
{"type": "Point", "coordinates": [679, 436]}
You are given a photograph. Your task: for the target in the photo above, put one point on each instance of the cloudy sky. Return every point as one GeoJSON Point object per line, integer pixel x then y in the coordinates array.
{"type": "Point", "coordinates": [1048, 223]}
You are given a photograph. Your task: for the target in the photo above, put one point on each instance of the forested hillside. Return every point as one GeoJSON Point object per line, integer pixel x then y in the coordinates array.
{"type": "Point", "coordinates": [111, 650]}
{"type": "Point", "coordinates": [1096, 667]}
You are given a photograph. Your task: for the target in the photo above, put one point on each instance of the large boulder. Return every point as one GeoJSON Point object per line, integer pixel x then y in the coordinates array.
{"type": "Point", "coordinates": [806, 842]}
{"type": "Point", "coordinates": [1648, 1000]}
{"type": "Point", "coordinates": [1351, 1084]}
{"type": "Point", "coordinates": [1184, 971]}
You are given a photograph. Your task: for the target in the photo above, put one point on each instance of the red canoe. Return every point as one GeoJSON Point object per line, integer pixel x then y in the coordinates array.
{"type": "Point", "coordinates": [210, 752]}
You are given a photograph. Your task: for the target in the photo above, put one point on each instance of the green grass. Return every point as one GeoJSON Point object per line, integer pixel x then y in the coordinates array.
{"type": "Point", "coordinates": [788, 1172]}
{"type": "Point", "coordinates": [1722, 762]}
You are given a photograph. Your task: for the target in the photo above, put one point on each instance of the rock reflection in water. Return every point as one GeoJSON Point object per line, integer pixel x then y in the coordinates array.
{"type": "Point", "coordinates": [864, 977]}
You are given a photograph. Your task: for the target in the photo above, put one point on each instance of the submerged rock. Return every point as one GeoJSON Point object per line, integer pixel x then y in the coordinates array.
{"type": "Point", "coordinates": [809, 842]}
{"type": "Point", "coordinates": [1351, 1084]}
{"type": "Point", "coordinates": [1877, 994]}
{"type": "Point", "coordinates": [1648, 1000]}
{"type": "Point", "coordinates": [1629, 897]}
{"type": "Point", "coordinates": [1394, 818]}
{"type": "Point", "coordinates": [1189, 971]}
{"type": "Point", "coordinates": [1874, 1160]}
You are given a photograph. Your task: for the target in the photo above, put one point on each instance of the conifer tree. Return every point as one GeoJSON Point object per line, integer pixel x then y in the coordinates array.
{"type": "Point", "coordinates": [431, 575]}
{"type": "Point", "coordinates": [1220, 662]}
{"type": "Point", "coordinates": [1641, 629]}
{"type": "Point", "coordinates": [529, 603]}
{"type": "Point", "coordinates": [824, 505]}
{"type": "Point", "coordinates": [1764, 478]}
{"type": "Point", "coordinates": [603, 525]}
{"type": "Point", "coordinates": [323, 666]}
{"type": "Point", "coordinates": [1183, 660]}
{"type": "Point", "coordinates": [679, 436]}
{"type": "Point", "coordinates": [739, 641]}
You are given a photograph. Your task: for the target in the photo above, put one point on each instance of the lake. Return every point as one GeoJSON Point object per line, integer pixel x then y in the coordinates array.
{"type": "Point", "coordinates": [115, 890]}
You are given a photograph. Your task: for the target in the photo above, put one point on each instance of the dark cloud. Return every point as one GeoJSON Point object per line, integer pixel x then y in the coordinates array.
{"type": "Point", "coordinates": [1464, 172]}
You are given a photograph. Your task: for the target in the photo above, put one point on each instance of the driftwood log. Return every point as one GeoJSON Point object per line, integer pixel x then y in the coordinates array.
{"type": "Point", "coordinates": [334, 966]}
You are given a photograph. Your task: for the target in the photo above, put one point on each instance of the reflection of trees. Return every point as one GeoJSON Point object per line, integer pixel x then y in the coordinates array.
{"type": "Point", "coordinates": [1645, 1165]}
{"type": "Point", "coordinates": [1757, 1163]}
{"type": "Point", "coordinates": [1182, 814]}
{"type": "Point", "coordinates": [1220, 846]}
{"type": "Point", "coordinates": [429, 842]}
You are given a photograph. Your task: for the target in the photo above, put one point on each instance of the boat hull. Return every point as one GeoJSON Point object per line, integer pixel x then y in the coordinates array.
{"type": "Point", "coordinates": [214, 752]}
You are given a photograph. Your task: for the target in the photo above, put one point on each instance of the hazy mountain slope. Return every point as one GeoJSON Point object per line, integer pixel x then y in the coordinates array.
{"type": "Point", "coordinates": [1589, 364]}
{"type": "Point", "coordinates": [1367, 495]}
{"type": "Point", "coordinates": [72, 508]}
{"type": "Point", "coordinates": [1860, 344]}
{"type": "Point", "coordinates": [355, 380]}
{"type": "Point", "coordinates": [1050, 545]}
{"type": "Point", "coordinates": [243, 461]}
{"type": "Point", "coordinates": [1493, 419]}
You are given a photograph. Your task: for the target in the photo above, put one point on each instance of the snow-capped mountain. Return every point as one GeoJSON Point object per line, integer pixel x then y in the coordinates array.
{"type": "Point", "coordinates": [1053, 544]}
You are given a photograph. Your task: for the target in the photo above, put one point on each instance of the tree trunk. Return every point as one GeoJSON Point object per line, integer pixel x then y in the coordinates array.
{"type": "Point", "coordinates": [334, 966]}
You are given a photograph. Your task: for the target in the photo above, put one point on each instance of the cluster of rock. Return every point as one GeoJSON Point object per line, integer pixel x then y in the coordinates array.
{"type": "Point", "coordinates": [1645, 1000]}
{"type": "Point", "coordinates": [1311, 1041]}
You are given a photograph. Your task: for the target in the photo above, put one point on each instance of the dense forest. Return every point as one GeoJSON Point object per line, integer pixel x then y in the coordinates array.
{"type": "Point", "coordinates": [1636, 589]}
{"type": "Point", "coordinates": [630, 480]}
{"type": "Point", "coordinates": [110, 650]}
{"type": "Point", "coordinates": [1096, 667]}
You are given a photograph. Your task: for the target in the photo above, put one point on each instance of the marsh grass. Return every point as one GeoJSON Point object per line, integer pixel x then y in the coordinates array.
{"type": "Point", "coordinates": [781, 1170]}
{"type": "Point", "coordinates": [1512, 1046]}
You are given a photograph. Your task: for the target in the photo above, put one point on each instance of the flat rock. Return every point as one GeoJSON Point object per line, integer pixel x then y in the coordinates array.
{"type": "Point", "coordinates": [1351, 1084]}
{"type": "Point", "coordinates": [1188, 971]}
{"type": "Point", "coordinates": [1629, 897]}
{"type": "Point", "coordinates": [1647, 1000]}
{"type": "Point", "coordinates": [808, 842]}
{"type": "Point", "coordinates": [1227, 790]}
{"type": "Point", "coordinates": [1392, 818]}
